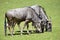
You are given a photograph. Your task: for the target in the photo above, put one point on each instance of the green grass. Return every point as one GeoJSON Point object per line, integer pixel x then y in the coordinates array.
{"type": "Point", "coordinates": [52, 8]}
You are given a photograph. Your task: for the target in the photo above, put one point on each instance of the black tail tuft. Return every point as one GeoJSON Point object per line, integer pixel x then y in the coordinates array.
{"type": "Point", "coordinates": [5, 27]}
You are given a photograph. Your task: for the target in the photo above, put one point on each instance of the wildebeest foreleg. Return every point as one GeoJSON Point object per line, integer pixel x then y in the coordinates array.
{"type": "Point", "coordinates": [28, 28]}
{"type": "Point", "coordinates": [26, 24]}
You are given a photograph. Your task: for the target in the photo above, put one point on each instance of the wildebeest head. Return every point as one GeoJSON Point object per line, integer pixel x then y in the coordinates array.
{"type": "Point", "coordinates": [49, 25]}
{"type": "Point", "coordinates": [42, 14]}
{"type": "Point", "coordinates": [37, 25]}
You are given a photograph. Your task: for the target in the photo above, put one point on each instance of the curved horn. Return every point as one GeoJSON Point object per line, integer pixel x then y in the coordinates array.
{"type": "Point", "coordinates": [49, 19]}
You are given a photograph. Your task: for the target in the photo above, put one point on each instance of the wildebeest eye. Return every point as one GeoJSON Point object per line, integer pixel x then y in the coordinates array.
{"type": "Point", "coordinates": [49, 23]}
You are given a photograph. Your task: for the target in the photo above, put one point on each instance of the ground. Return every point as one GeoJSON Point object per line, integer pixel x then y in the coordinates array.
{"type": "Point", "coordinates": [52, 8]}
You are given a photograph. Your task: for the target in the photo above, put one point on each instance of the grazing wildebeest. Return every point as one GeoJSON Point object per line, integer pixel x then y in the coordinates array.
{"type": "Point", "coordinates": [16, 16]}
{"type": "Point", "coordinates": [42, 13]}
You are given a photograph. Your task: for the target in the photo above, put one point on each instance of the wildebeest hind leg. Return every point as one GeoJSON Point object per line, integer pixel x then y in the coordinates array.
{"type": "Point", "coordinates": [12, 28]}
{"type": "Point", "coordinates": [20, 28]}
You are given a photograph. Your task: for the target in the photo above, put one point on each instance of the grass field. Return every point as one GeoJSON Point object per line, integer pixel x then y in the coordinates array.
{"type": "Point", "coordinates": [52, 8]}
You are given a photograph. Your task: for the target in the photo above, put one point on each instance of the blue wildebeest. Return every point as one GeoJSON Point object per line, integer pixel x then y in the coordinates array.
{"type": "Point", "coordinates": [16, 16]}
{"type": "Point", "coordinates": [42, 13]}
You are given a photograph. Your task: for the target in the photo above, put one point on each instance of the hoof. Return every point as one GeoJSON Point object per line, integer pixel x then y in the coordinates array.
{"type": "Point", "coordinates": [20, 34]}
{"type": "Point", "coordinates": [28, 33]}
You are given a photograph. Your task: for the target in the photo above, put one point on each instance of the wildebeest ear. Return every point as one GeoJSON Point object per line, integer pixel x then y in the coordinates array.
{"type": "Point", "coordinates": [49, 18]}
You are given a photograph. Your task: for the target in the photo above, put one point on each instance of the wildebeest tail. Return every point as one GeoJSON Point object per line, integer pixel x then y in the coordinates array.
{"type": "Point", "coordinates": [5, 27]}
